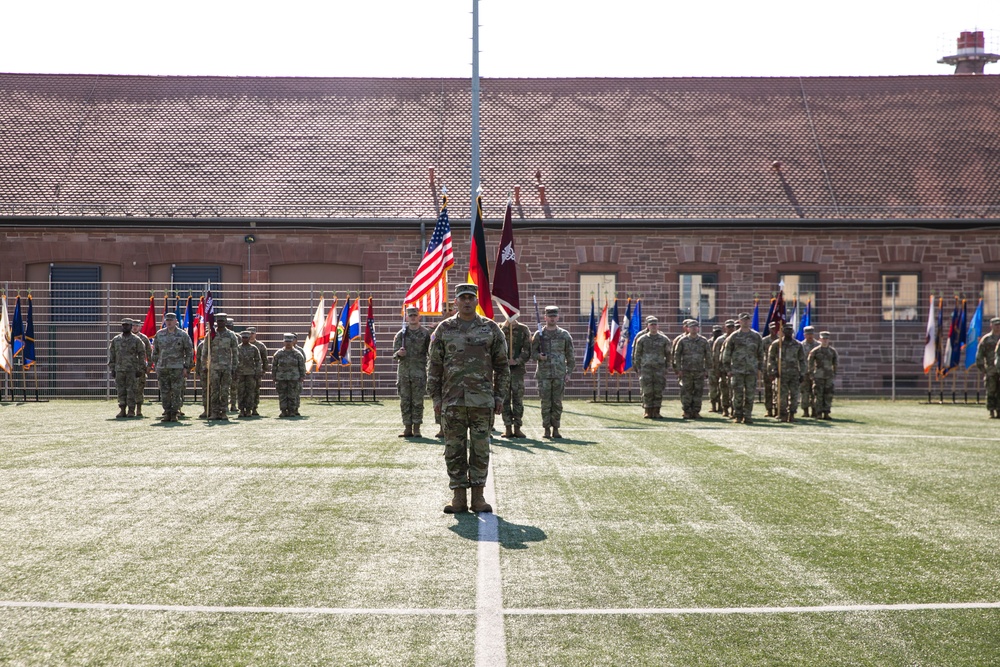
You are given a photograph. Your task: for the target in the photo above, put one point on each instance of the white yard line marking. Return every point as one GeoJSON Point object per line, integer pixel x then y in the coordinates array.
{"type": "Point", "coordinates": [491, 642]}
{"type": "Point", "coordinates": [639, 611]}
{"type": "Point", "coordinates": [719, 611]}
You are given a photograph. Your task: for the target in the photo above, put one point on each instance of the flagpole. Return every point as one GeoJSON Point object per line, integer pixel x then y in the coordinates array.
{"type": "Point", "coordinates": [474, 157]}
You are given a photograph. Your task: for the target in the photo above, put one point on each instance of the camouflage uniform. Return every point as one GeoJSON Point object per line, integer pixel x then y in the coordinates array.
{"type": "Point", "coordinates": [467, 375]}
{"type": "Point", "coordinates": [823, 366]}
{"type": "Point", "coordinates": [225, 348]}
{"type": "Point", "coordinates": [127, 361]}
{"type": "Point", "coordinates": [172, 356]}
{"type": "Point", "coordinates": [202, 372]}
{"type": "Point", "coordinates": [550, 373]}
{"type": "Point", "coordinates": [411, 372]}
{"type": "Point", "coordinates": [691, 360]}
{"type": "Point", "coordinates": [788, 375]}
{"type": "Point", "coordinates": [769, 401]}
{"type": "Point", "coordinates": [288, 368]}
{"type": "Point", "coordinates": [650, 359]}
{"type": "Point", "coordinates": [265, 367]}
{"type": "Point", "coordinates": [807, 395]}
{"type": "Point", "coordinates": [248, 369]}
{"type": "Point", "coordinates": [742, 359]}
{"type": "Point", "coordinates": [140, 382]}
{"type": "Point", "coordinates": [714, 388]}
{"type": "Point", "coordinates": [986, 363]}
{"type": "Point", "coordinates": [725, 390]}
{"type": "Point", "coordinates": [518, 337]}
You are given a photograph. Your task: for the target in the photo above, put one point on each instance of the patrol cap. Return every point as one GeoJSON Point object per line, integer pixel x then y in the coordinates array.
{"type": "Point", "coordinates": [551, 310]}
{"type": "Point", "coordinates": [808, 329]}
{"type": "Point", "coordinates": [688, 322]}
{"type": "Point", "coordinates": [694, 323]}
{"type": "Point", "coordinates": [244, 334]}
{"type": "Point", "coordinates": [716, 329]}
{"type": "Point", "coordinates": [288, 338]}
{"type": "Point", "coordinates": [252, 330]}
{"type": "Point", "coordinates": [995, 320]}
{"type": "Point", "coordinates": [788, 327]}
{"type": "Point", "coordinates": [466, 288]}
{"type": "Point", "coordinates": [412, 310]}
{"type": "Point", "coordinates": [651, 320]}
{"type": "Point", "coordinates": [743, 316]}
{"type": "Point", "coordinates": [221, 316]}
{"type": "Point", "coordinates": [824, 334]}
{"type": "Point", "coordinates": [170, 316]}
{"type": "Point", "coordinates": [730, 323]}
{"type": "Point", "coordinates": [127, 320]}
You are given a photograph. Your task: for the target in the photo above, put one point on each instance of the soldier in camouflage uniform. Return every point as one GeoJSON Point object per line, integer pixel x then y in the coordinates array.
{"type": "Point", "coordinates": [409, 349]}
{"type": "Point", "coordinates": [823, 366]}
{"type": "Point", "coordinates": [518, 337]}
{"type": "Point", "coordinates": [225, 351]}
{"type": "Point", "coordinates": [676, 341]}
{"type": "Point", "coordinates": [127, 361]}
{"type": "Point", "coordinates": [264, 368]}
{"type": "Point", "coordinates": [552, 348]}
{"type": "Point", "coordinates": [786, 365]}
{"type": "Point", "coordinates": [986, 363]}
{"type": "Point", "coordinates": [201, 370]}
{"type": "Point", "coordinates": [233, 386]}
{"type": "Point", "coordinates": [173, 357]}
{"type": "Point", "coordinates": [725, 390]}
{"type": "Point", "coordinates": [714, 390]}
{"type": "Point", "coordinates": [691, 361]}
{"type": "Point", "coordinates": [140, 382]}
{"type": "Point", "coordinates": [288, 368]}
{"type": "Point", "coordinates": [806, 391]}
{"type": "Point", "coordinates": [650, 359]}
{"type": "Point", "coordinates": [769, 401]}
{"type": "Point", "coordinates": [467, 377]}
{"type": "Point", "coordinates": [248, 369]}
{"type": "Point", "coordinates": [742, 359]}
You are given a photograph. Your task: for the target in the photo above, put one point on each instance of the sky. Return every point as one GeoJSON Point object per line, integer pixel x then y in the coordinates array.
{"type": "Point", "coordinates": [518, 38]}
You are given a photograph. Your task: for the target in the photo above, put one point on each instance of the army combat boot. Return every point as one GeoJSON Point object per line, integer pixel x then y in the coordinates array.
{"type": "Point", "coordinates": [556, 435]}
{"type": "Point", "coordinates": [479, 503]}
{"type": "Point", "coordinates": [507, 432]}
{"type": "Point", "coordinates": [548, 432]}
{"type": "Point", "coordinates": [518, 433]}
{"type": "Point", "coordinates": [131, 412]}
{"type": "Point", "coordinates": [416, 431]}
{"type": "Point", "coordinates": [458, 504]}
{"type": "Point", "coordinates": [407, 431]}
{"type": "Point", "coordinates": [121, 412]}
{"type": "Point", "coordinates": [138, 409]}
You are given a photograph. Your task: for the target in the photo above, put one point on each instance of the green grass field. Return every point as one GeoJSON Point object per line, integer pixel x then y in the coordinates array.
{"type": "Point", "coordinates": [321, 541]}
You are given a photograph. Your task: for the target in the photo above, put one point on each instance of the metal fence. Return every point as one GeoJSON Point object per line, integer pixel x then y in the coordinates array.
{"type": "Point", "coordinates": [73, 324]}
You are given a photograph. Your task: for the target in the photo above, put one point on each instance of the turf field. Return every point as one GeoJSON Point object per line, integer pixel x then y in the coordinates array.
{"type": "Point", "coordinates": [870, 540]}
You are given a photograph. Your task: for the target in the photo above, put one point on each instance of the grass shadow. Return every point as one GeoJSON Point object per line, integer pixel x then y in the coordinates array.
{"type": "Point", "coordinates": [509, 535]}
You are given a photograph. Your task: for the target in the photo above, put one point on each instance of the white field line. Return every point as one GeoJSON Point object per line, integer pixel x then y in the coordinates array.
{"type": "Point", "coordinates": [638, 611]}
{"type": "Point", "coordinates": [491, 642]}
{"type": "Point", "coordinates": [824, 432]}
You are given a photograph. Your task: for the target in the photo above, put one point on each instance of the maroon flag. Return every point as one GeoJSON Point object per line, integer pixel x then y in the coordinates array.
{"type": "Point", "coordinates": [505, 289]}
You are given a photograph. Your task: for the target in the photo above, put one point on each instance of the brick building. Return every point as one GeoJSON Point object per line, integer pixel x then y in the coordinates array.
{"type": "Point", "coordinates": [695, 194]}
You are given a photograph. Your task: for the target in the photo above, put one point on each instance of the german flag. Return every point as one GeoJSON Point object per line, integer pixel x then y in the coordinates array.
{"type": "Point", "coordinates": [479, 270]}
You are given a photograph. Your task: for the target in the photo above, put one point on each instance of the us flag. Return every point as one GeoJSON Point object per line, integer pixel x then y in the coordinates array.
{"type": "Point", "coordinates": [429, 288]}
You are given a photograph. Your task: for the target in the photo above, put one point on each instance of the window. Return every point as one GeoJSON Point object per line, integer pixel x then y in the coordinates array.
{"type": "Point", "coordinates": [800, 289]}
{"type": "Point", "coordinates": [991, 297]}
{"type": "Point", "coordinates": [76, 293]}
{"type": "Point", "coordinates": [698, 293]}
{"type": "Point", "coordinates": [904, 286]}
{"type": "Point", "coordinates": [193, 280]}
{"type": "Point", "coordinates": [601, 286]}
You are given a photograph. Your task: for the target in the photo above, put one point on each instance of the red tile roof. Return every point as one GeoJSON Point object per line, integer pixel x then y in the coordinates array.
{"type": "Point", "coordinates": [878, 147]}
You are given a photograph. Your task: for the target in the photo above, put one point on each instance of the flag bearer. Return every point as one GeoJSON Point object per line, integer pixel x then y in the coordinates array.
{"type": "Point", "coordinates": [786, 365]}
{"type": "Point", "coordinates": [518, 337]}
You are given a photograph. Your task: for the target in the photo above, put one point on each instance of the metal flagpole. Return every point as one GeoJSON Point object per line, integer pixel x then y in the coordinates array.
{"type": "Point", "coordinates": [474, 157]}
{"type": "Point", "coordinates": [893, 347]}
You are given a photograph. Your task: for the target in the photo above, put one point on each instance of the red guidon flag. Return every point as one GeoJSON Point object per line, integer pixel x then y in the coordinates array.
{"type": "Point", "coordinates": [505, 289]}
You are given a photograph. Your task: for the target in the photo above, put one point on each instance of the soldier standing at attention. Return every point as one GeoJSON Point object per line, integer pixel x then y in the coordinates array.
{"type": "Point", "coordinates": [823, 366]}
{"type": "Point", "coordinates": [742, 359]}
{"type": "Point", "coordinates": [172, 357]}
{"type": "Point", "coordinates": [409, 349]}
{"type": "Point", "coordinates": [986, 363]}
{"type": "Point", "coordinates": [467, 378]}
{"type": "Point", "coordinates": [714, 391]}
{"type": "Point", "coordinates": [650, 359]}
{"type": "Point", "coordinates": [225, 352]}
{"type": "Point", "coordinates": [808, 345]}
{"type": "Point", "coordinates": [552, 348]}
{"type": "Point", "coordinates": [691, 360]}
{"type": "Point", "coordinates": [786, 365]}
{"type": "Point", "coordinates": [288, 368]}
{"type": "Point", "coordinates": [140, 382]}
{"type": "Point", "coordinates": [233, 386]}
{"type": "Point", "coordinates": [127, 361]}
{"type": "Point", "coordinates": [769, 401]}
{"type": "Point", "coordinates": [201, 370]}
{"type": "Point", "coordinates": [725, 391]}
{"type": "Point", "coordinates": [264, 368]}
{"type": "Point", "coordinates": [684, 332]}
{"type": "Point", "coordinates": [248, 368]}
{"type": "Point", "coordinates": [518, 337]}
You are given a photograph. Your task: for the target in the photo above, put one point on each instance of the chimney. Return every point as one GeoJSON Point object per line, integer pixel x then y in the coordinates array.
{"type": "Point", "coordinates": [971, 56]}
